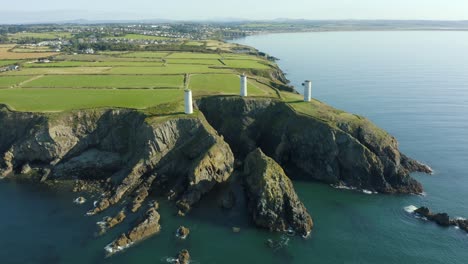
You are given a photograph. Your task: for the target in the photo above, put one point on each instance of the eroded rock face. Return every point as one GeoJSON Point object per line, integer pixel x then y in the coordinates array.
{"type": "Point", "coordinates": [273, 203]}
{"type": "Point", "coordinates": [332, 147]}
{"type": "Point", "coordinates": [128, 151]}
{"type": "Point", "coordinates": [144, 229]}
{"type": "Point", "coordinates": [110, 222]}
{"type": "Point", "coordinates": [123, 146]}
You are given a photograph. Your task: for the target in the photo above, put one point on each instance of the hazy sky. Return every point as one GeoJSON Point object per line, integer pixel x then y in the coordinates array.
{"type": "Point", "coordinates": [250, 9]}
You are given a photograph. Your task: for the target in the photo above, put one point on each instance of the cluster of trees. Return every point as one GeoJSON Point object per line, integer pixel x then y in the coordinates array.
{"type": "Point", "coordinates": [3, 38]}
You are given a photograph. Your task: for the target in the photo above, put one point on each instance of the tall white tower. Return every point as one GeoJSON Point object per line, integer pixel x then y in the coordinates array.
{"type": "Point", "coordinates": [243, 85]}
{"type": "Point", "coordinates": [188, 102]}
{"type": "Point", "coordinates": [307, 90]}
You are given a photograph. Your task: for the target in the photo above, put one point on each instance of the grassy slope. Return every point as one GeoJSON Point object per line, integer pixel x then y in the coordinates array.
{"type": "Point", "coordinates": [220, 84]}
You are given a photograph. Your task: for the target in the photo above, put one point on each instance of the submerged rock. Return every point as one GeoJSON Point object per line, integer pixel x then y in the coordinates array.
{"type": "Point", "coordinates": [182, 232]}
{"type": "Point", "coordinates": [80, 200]}
{"type": "Point", "coordinates": [273, 203]}
{"type": "Point", "coordinates": [183, 257]}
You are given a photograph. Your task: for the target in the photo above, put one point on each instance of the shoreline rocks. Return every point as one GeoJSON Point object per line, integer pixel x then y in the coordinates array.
{"type": "Point", "coordinates": [144, 229]}
{"type": "Point", "coordinates": [110, 222]}
{"type": "Point", "coordinates": [442, 219]}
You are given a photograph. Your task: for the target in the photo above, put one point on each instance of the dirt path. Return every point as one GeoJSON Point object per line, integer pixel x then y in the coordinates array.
{"type": "Point", "coordinates": [29, 80]}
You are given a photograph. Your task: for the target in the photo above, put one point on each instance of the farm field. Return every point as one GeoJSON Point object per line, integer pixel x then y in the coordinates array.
{"type": "Point", "coordinates": [8, 81]}
{"type": "Point", "coordinates": [169, 69]}
{"type": "Point", "coordinates": [114, 81]}
{"type": "Point", "coordinates": [6, 54]}
{"type": "Point", "coordinates": [220, 84]}
{"type": "Point", "coordinates": [190, 55]}
{"type": "Point", "coordinates": [58, 71]}
{"type": "Point", "coordinates": [7, 62]}
{"type": "Point", "coordinates": [195, 61]}
{"type": "Point", "coordinates": [95, 64]}
{"type": "Point", "coordinates": [144, 54]}
{"type": "Point", "coordinates": [123, 79]}
{"type": "Point", "coordinates": [245, 64]}
{"type": "Point", "coordinates": [40, 35]}
{"type": "Point", "coordinates": [55, 100]}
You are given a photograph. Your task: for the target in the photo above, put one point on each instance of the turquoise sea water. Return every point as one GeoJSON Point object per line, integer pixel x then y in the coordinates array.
{"type": "Point", "coordinates": [413, 84]}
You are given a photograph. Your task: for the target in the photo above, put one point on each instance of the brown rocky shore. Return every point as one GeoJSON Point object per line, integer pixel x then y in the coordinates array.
{"type": "Point", "coordinates": [138, 155]}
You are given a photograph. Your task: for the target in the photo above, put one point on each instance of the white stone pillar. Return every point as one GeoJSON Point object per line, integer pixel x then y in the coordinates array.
{"type": "Point", "coordinates": [243, 85]}
{"type": "Point", "coordinates": [307, 91]}
{"type": "Point", "coordinates": [188, 102]}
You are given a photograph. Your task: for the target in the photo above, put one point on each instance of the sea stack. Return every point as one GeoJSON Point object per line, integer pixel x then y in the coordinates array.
{"type": "Point", "coordinates": [188, 102]}
{"type": "Point", "coordinates": [243, 85]}
{"type": "Point", "coordinates": [307, 90]}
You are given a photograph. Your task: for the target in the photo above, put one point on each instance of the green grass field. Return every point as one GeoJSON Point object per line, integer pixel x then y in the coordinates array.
{"type": "Point", "coordinates": [51, 100]}
{"type": "Point", "coordinates": [195, 61]}
{"type": "Point", "coordinates": [101, 57]}
{"type": "Point", "coordinates": [7, 62]}
{"type": "Point", "coordinates": [95, 64]}
{"type": "Point", "coordinates": [169, 69]}
{"type": "Point", "coordinates": [144, 54]}
{"type": "Point", "coordinates": [103, 81]}
{"type": "Point", "coordinates": [190, 55]}
{"type": "Point", "coordinates": [40, 35]}
{"type": "Point", "coordinates": [58, 71]}
{"type": "Point", "coordinates": [140, 79]}
{"type": "Point", "coordinates": [245, 64]}
{"type": "Point", "coordinates": [220, 84]}
{"type": "Point", "coordinates": [8, 81]}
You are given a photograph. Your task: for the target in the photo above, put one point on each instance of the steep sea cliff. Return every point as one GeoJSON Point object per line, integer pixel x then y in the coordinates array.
{"type": "Point", "coordinates": [130, 156]}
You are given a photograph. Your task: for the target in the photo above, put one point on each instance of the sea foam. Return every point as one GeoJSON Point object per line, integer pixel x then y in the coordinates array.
{"type": "Point", "coordinates": [410, 209]}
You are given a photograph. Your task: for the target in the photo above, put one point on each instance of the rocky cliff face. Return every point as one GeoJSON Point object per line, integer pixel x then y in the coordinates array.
{"type": "Point", "coordinates": [120, 145]}
{"type": "Point", "coordinates": [273, 203]}
{"type": "Point", "coordinates": [127, 148]}
{"type": "Point", "coordinates": [351, 152]}
{"type": "Point", "coordinates": [137, 154]}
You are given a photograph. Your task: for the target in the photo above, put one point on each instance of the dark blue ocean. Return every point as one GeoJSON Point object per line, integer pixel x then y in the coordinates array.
{"type": "Point", "coordinates": [413, 84]}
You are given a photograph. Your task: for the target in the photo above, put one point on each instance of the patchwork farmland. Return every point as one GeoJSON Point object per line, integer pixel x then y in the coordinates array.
{"type": "Point", "coordinates": [123, 79]}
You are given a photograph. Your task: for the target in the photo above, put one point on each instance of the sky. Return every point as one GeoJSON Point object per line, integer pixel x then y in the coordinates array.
{"type": "Point", "coordinates": [25, 10]}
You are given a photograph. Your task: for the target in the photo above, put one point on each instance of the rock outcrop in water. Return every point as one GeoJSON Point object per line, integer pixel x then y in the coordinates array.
{"type": "Point", "coordinates": [273, 203]}
{"type": "Point", "coordinates": [144, 229]}
{"type": "Point", "coordinates": [442, 219]}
